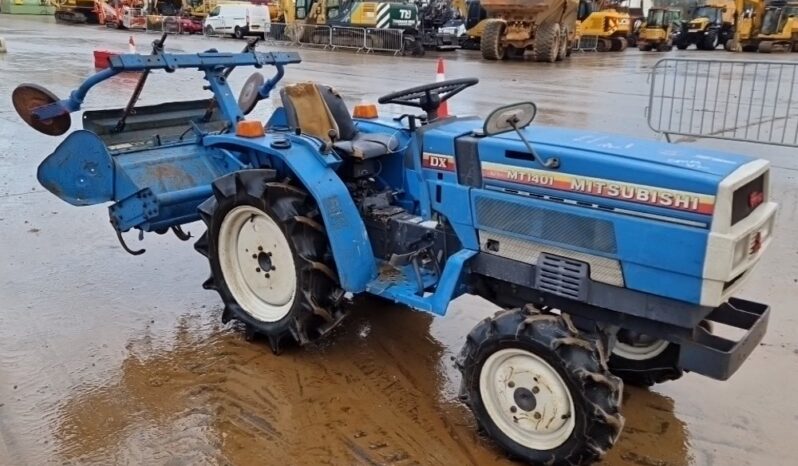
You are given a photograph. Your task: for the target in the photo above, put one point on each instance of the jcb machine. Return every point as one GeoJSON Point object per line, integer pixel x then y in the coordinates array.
{"type": "Point", "coordinates": [400, 17]}
{"type": "Point", "coordinates": [546, 27]}
{"type": "Point", "coordinates": [661, 27]}
{"type": "Point", "coordinates": [608, 22]}
{"type": "Point", "coordinates": [779, 28]}
{"type": "Point", "coordinates": [601, 249]}
{"type": "Point", "coordinates": [79, 11]}
{"type": "Point", "coordinates": [711, 24]}
{"type": "Point", "coordinates": [747, 26]}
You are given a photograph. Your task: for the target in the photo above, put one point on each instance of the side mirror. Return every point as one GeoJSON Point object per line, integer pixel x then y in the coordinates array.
{"type": "Point", "coordinates": [509, 118]}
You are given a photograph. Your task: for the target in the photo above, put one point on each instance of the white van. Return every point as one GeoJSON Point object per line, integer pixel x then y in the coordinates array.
{"type": "Point", "coordinates": [238, 20]}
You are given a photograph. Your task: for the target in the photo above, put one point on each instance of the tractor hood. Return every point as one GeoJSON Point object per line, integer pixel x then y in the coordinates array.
{"type": "Point", "coordinates": [597, 157]}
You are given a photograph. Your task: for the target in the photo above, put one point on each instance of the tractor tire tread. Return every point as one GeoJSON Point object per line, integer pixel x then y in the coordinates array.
{"type": "Point", "coordinates": [579, 359]}
{"type": "Point", "coordinates": [316, 308]}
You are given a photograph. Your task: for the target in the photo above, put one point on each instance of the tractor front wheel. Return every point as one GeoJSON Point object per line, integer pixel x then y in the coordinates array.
{"type": "Point", "coordinates": [643, 361]}
{"type": "Point", "coordinates": [540, 388]}
{"type": "Point", "coordinates": [491, 42]}
{"type": "Point", "coordinates": [270, 259]}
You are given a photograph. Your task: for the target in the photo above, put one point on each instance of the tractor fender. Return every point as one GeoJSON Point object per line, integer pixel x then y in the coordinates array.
{"type": "Point", "coordinates": [351, 248]}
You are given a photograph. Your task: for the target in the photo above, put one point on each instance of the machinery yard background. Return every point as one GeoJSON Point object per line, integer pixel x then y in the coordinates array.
{"type": "Point", "coordinates": [105, 359]}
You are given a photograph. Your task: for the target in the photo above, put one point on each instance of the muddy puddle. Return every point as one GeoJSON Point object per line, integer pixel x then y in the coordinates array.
{"type": "Point", "coordinates": [381, 391]}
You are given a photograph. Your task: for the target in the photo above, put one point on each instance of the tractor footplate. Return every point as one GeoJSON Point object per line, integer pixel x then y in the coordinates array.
{"type": "Point", "coordinates": [718, 357]}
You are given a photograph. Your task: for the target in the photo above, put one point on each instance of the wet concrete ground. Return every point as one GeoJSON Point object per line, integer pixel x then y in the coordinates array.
{"type": "Point", "coordinates": [111, 359]}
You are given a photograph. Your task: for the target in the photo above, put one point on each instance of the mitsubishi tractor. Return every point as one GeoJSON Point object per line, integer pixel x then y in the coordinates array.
{"type": "Point", "coordinates": [610, 257]}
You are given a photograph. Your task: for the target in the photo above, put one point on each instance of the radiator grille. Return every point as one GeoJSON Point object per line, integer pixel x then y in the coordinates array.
{"type": "Point", "coordinates": [550, 225]}
{"type": "Point", "coordinates": [561, 276]}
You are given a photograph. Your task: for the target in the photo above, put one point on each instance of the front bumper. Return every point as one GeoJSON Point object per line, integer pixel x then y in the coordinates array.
{"type": "Point", "coordinates": [717, 357]}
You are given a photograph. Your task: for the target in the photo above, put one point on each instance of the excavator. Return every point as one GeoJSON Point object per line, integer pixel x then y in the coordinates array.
{"type": "Point", "coordinates": [607, 20]}
{"type": "Point", "coordinates": [779, 30]}
{"type": "Point", "coordinates": [659, 29]}
{"type": "Point", "coordinates": [747, 26]}
{"type": "Point", "coordinates": [80, 11]}
{"type": "Point", "coordinates": [382, 20]}
{"type": "Point", "coordinates": [712, 24]}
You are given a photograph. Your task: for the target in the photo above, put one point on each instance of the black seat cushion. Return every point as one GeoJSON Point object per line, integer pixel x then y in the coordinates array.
{"type": "Point", "coordinates": [366, 146]}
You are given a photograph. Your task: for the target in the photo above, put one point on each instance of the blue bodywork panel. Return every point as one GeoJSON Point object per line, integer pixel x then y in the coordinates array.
{"type": "Point", "coordinates": [609, 196]}
{"type": "Point", "coordinates": [344, 227]}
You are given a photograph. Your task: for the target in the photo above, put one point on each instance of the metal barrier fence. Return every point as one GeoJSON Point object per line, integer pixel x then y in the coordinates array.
{"type": "Point", "coordinates": [586, 44]}
{"type": "Point", "coordinates": [754, 101]}
{"type": "Point", "coordinates": [161, 24]}
{"type": "Point", "coordinates": [335, 37]}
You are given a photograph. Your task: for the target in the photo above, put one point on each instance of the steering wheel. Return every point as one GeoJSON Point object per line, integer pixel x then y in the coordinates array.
{"type": "Point", "coordinates": [429, 96]}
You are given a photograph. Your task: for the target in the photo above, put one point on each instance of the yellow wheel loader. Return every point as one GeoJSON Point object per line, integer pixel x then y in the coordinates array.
{"type": "Point", "coordinates": [546, 27]}
{"type": "Point", "coordinates": [658, 32]}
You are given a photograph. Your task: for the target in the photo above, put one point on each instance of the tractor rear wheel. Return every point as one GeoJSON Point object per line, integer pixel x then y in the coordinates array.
{"type": "Point", "coordinates": [270, 259]}
{"type": "Point", "coordinates": [491, 42]}
{"type": "Point", "coordinates": [603, 45]}
{"type": "Point", "coordinates": [547, 42]}
{"type": "Point", "coordinates": [540, 388]}
{"type": "Point", "coordinates": [644, 46]}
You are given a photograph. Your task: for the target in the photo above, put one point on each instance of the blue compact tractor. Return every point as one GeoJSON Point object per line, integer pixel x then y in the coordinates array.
{"type": "Point", "coordinates": [610, 256]}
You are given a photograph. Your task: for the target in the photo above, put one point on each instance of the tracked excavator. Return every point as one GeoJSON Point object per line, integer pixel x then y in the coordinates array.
{"type": "Point", "coordinates": [607, 20]}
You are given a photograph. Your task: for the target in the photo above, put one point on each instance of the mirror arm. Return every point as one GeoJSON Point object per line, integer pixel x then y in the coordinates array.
{"type": "Point", "coordinates": [551, 162]}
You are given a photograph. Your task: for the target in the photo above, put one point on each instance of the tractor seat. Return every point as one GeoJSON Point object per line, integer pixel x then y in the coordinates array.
{"type": "Point", "coordinates": [317, 110]}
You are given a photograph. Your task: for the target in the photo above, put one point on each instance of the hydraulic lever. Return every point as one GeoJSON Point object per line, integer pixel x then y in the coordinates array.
{"type": "Point", "coordinates": [157, 47]}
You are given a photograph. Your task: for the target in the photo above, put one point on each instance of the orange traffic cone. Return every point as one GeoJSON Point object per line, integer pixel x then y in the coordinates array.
{"type": "Point", "coordinates": [131, 45]}
{"type": "Point", "coordinates": [440, 75]}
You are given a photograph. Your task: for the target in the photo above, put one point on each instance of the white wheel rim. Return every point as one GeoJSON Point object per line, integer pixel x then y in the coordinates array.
{"type": "Point", "coordinates": [250, 241]}
{"type": "Point", "coordinates": [527, 399]}
{"type": "Point", "coordinates": [638, 351]}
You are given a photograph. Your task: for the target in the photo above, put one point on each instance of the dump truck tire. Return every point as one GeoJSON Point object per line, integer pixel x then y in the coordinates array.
{"type": "Point", "coordinates": [564, 45]}
{"type": "Point", "coordinates": [521, 365]}
{"type": "Point", "coordinates": [491, 42]}
{"type": "Point", "coordinates": [270, 259]}
{"type": "Point", "coordinates": [644, 46]}
{"type": "Point", "coordinates": [547, 42]}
